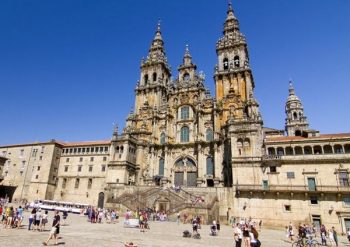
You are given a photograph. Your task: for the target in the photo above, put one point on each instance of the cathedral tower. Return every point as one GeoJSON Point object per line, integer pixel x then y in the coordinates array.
{"type": "Point", "coordinates": [155, 75]}
{"type": "Point", "coordinates": [296, 122]}
{"type": "Point", "coordinates": [233, 77]}
{"type": "Point", "coordinates": [237, 110]}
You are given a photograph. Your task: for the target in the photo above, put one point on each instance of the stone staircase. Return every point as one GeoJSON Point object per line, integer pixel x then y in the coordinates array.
{"type": "Point", "coordinates": [180, 199]}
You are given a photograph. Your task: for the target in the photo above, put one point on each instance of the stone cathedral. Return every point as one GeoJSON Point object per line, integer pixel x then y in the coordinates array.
{"type": "Point", "coordinates": [182, 150]}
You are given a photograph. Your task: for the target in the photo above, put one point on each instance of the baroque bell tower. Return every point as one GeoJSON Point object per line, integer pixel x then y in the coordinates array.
{"type": "Point", "coordinates": [237, 110]}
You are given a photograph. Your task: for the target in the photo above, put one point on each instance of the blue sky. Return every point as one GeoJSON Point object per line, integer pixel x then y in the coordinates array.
{"type": "Point", "coordinates": [68, 69]}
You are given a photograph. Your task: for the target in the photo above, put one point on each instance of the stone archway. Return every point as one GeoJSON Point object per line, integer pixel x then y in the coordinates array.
{"type": "Point", "coordinates": [185, 172]}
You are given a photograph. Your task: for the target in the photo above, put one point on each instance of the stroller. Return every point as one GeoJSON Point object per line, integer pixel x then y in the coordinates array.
{"type": "Point", "coordinates": [213, 230]}
{"type": "Point", "coordinates": [186, 234]}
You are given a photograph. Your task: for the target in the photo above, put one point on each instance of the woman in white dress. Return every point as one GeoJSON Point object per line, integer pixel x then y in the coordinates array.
{"type": "Point", "coordinates": [331, 238]}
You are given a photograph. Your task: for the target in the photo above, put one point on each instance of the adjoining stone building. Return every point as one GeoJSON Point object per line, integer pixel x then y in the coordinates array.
{"type": "Point", "coordinates": [184, 150]}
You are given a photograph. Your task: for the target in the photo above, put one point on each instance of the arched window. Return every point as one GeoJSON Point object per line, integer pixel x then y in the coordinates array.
{"type": "Point", "coordinates": [210, 166]}
{"type": "Point", "coordinates": [246, 142]}
{"type": "Point", "coordinates": [209, 135]}
{"type": "Point", "coordinates": [162, 138]}
{"type": "Point", "coordinates": [186, 77]}
{"type": "Point", "coordinates": [225, 62]}
{"type": "Point", "coordinates": [240, 142]}
{"type": "Point", "coordinates": [295, 116]}
{"type": "Point", "coordinates": [297, 133]}
{"type": "Point", "coordinates": [154, 76]}
{"type": "Point", "coordinates": [271, 151]}
{"type": "Point", "coordinates": [145, 79]}
{"type": "Point", "coordinates": [236, 61]}
{"type": "Point", "coordinates": [280, 151]}
{"type": "Point", "coordinates": [161, 167]}
{"type": "Point", "coordinates": [185, 113]}
{"type": "Point", "coordinates": [185, 134]}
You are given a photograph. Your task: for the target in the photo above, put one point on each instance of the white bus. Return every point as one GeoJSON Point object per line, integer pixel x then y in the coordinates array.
{"type": "Point", "coordinates": [71, 207]}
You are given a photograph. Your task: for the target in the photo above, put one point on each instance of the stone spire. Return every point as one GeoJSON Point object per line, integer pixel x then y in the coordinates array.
{"type": "Point", "coordinates": [187, 60]}
{"type": "Point", "coordinates": [157, 52]}
{"type": "Point", "coordinates": [296, 122]}
{"type": "Point", "coordinates": [231, 22]}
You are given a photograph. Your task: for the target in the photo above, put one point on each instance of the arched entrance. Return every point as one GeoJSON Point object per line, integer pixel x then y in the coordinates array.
{"type": "Point", "coordinates": [162, 204]}
{"type": "Point", "coordinates": [101, 200]}
{"type": "Point", "coordinates": [185, 172]}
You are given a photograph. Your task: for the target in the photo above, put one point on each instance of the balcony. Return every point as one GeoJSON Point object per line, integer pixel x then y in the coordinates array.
{"type": "Point", "coordinates": [327, 189]}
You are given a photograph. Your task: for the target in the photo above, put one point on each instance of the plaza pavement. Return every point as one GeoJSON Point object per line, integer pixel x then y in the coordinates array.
{"type": "Point", "coordinates": [79, 232]}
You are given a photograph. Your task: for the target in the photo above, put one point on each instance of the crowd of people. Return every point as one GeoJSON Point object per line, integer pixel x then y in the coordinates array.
{"type": "Point", "coordinates": [305, 232]}
{"type": "Point", "coordinates": [100, 215]}
{"type": "Point", "coordinates": [246, 234]}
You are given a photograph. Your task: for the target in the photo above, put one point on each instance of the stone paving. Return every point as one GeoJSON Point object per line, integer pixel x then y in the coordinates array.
{"type": "Point", "coordinates": [79, 232]}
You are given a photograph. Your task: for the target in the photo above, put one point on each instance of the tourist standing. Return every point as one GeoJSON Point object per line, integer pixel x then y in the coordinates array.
{"type": "Point", "coordinates": [246, 237]}
{"type": "Point", "coordinates": [20, 216]}
{"type": "Point", "coordinates": [55, 230]}
{"type": "Point", "coordinates": [44, 221]}
{"type": "Point", "coordinates": [238, 235]}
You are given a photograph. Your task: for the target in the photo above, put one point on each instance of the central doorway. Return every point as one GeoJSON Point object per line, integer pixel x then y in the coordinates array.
{"type": "Point", "coordinates": [185, 172]}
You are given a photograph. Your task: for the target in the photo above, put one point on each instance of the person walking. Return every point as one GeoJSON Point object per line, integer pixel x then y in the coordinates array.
{"type": "Point", "coordinates": [335, 236]}
{"type": "Point", "coordinates": [55, 230]}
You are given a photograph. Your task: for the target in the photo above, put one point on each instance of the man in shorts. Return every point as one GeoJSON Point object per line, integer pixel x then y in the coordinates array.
{"type": "Point", "coordinates": [55, 230]}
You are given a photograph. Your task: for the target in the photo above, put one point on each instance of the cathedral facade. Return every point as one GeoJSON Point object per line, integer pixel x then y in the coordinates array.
{"type": "Point", "coordinates": [215, 152]}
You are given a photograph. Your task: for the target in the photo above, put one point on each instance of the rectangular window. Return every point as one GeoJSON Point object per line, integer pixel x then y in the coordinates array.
{"type": "Point", "coordinates": [90, 168]}
{"type": "Point", "coordinates": [103, 168]}
{"type": "Point", "coordinates": [79, 168]}
{"type": "Point", "coordinates": [313, 200]}
{"type": "Point", "coordinates": [311, 184]}
{"type": "Point", "coordinates": [77, 181]}
{"type": "Point", "coordinates": [66, 169]}
{"type": "Point", "coordinates": [87, 150]}
{"type": "Point", "coordinates": [23, 164]}
{"type": "Point", "coordinates": [80, 159]}
{"type": "Point", "coordinates": [21, 173]}
{"type": "Point", "coordinates": [38, 168]}
{"type": "Point", "coordinates": [104, 158]}
{"type": "Point", "coordinates": [90, 183]}
{"type": "Point", "coordinates": [106, 149]}
{"type": "Point", "coordinates": [41, 158]}
{"type": "Point", "coordinates": [67, 159]}
{"type": "Point", "coordinates": [35, 151]}
{"type": "Point", "coordinates": [265, 184]}
{"type": "Point", "coordinates": [64, 183]}
{"type": "Point", "coordinates": [79, 150]}
{"type": "Point", "coordinates": [74, 150]}
{"type": "Point", "coordinates": [290, 175]}
{"type": "Point", "coordinates": [83, 150]}
{"type": "Point", "coordinates": [37, 176]}
{"type": "Point", "coordinates": [273, 169]}
{"type": "Point", "coordinates": [21, 152]}
{"type": "Point", "coordinates": [92, 149]}
{"type": "Point", "coordinates": [101, 149]}
{"type": "Point", "coordinates": [343, 179]}
{"type": "Point", "coordinates": [287, 208]}
{"type": "Point", "coordinates": [91, 158]}
{"type": "Point", "coordinates": [42, 149]}
{"type": "Point", "coordinates": [347, 200]}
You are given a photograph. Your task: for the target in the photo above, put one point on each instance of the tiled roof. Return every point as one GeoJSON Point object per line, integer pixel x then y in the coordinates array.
{"type": "Point", "coordinates": [300, 138]}
{"type": "Point", "coordinates": [60, 143]}
{"type": "Point", "coordinates": [87, 143]}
